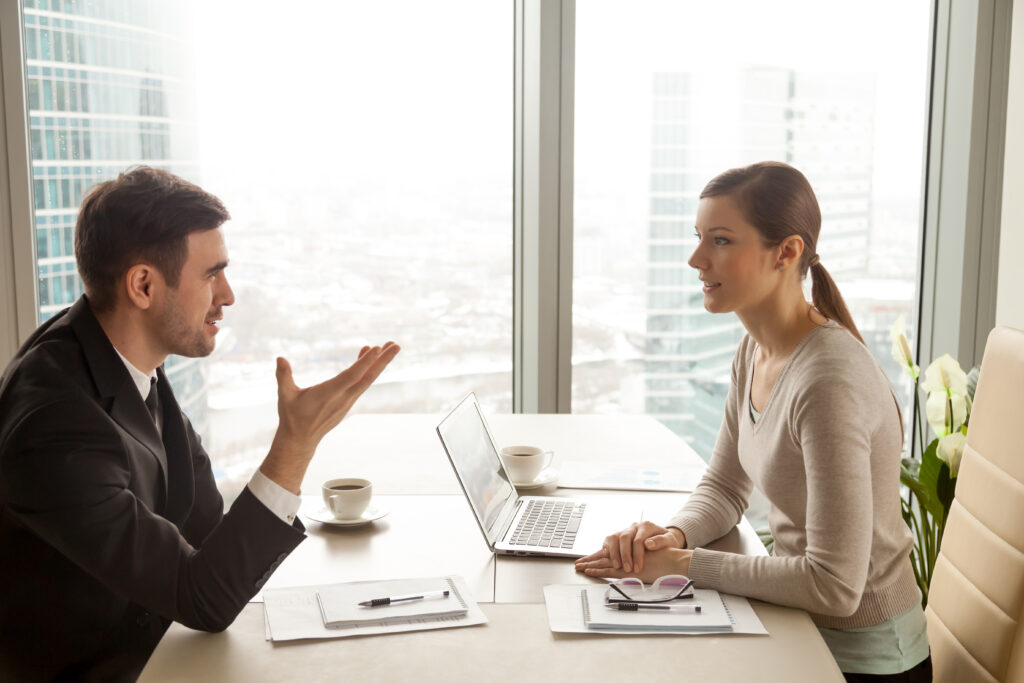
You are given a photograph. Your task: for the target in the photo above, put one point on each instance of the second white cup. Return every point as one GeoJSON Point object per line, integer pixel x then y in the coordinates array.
{"type": "Point", "coordinates": [524, 463]}
{"type": "Point", "coordinates": [347, 498]}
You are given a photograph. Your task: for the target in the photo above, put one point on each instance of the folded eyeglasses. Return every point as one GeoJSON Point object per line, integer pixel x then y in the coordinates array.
{"type": "Point", "coordinates": [664, 589]}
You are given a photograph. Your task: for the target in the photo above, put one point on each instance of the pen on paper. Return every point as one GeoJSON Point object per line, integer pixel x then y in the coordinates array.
{"type": "Point", "coordinates": [380, 602]}
{"type": "Point", "coordinates": [635, 606]}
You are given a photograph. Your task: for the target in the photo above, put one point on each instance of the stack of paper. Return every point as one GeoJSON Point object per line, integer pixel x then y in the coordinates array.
{"type": "Point", "coordinates": [713, 616]}
{"type": "Point", "coordinates": [576, 608]}
{"type": "Point", "coordinates": [333, 611]}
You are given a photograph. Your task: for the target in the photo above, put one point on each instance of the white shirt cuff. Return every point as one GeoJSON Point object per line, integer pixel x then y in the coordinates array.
{"type": "Point", "coordinates": [278, 499]}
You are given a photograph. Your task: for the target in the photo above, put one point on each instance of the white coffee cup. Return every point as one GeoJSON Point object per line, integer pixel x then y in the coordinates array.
{"type": "Point", "coordinates": [524, 463]}
{"type": "Point", "coordinates": [347, 498]}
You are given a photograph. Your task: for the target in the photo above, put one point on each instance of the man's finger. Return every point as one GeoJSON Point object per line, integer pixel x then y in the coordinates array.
{"type": "Point", "coordinates": [371, 374]}
{"type": "Point", "coordinates": [354, 372]}
{"type": "Point", "coordinates": [285, 382]}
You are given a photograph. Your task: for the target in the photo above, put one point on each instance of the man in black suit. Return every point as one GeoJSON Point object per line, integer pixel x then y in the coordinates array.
{"type": "Point", "coordinates": [111, 525]}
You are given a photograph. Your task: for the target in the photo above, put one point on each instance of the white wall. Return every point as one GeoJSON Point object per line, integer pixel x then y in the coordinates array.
{"type": "Point", "coordinates": [1010, 298]}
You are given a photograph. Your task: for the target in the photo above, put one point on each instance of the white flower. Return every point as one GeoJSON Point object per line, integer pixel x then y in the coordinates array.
{"type": "Point", "coordinates": [944, 374]}
{"type": "Point", "coordinates": [950, 450]}
{"type": "Point", "coordinates": [946, 412]}
{"type": "Point", "coordinates": [901, 348]}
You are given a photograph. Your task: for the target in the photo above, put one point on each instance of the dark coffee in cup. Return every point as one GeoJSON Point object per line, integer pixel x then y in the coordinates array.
{"type": "Point", "coordinates": [347, 487]}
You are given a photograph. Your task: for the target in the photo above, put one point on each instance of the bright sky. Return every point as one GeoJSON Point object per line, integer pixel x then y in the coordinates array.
{"type": "Point", "coordinates": [302, 92]}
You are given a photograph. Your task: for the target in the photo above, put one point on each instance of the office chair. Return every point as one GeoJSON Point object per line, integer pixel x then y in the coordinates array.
{"type": "Point", "coordinates": [976, 597]}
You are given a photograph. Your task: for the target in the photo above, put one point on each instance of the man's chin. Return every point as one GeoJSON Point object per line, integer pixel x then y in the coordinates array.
{"type": "Point", "coordinates": [196, 349]}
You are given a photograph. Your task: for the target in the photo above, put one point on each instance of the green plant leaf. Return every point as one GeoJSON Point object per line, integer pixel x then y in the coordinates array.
{"type": "Point", "coordinates": [945, 487]}
{"type": "Point", "coordinates": [929, 476]}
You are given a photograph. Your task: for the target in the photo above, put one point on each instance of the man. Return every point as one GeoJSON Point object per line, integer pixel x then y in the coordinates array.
{"type": "Point", "coordinates": [111, 525]}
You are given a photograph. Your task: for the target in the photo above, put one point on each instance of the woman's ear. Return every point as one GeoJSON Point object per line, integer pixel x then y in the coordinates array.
{"type": "Point", "coordinates": [790, 252]}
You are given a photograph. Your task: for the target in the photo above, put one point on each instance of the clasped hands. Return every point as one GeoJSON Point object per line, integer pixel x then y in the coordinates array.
{"type": "Point", "coordinates": [644, 550]}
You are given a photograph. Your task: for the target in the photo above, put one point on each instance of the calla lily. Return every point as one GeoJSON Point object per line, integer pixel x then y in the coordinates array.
{"type": "Point", "coordinates": [950, 450]}
{"type": "Point", "coordinates": [901, 348]}
{"type": "Point", "coordinates": [946, 412]}
{"type": "Point", "coordinates": [945, 374]}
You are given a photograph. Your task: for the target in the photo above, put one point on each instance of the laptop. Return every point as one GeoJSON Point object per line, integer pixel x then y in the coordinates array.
{"type": "Point", "coordinates": [522, 525]}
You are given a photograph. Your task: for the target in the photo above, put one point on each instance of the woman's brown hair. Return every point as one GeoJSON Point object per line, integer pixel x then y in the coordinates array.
{"type": "Point", "coordinates": [778, 201]}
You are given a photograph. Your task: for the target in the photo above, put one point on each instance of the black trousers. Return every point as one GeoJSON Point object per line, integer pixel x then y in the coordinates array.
{"type": "Point", "coordinates": [922, 673]}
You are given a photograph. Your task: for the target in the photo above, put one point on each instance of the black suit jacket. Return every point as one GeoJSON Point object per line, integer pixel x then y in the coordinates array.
{"type": "Point", "coordinates": [107, 531]}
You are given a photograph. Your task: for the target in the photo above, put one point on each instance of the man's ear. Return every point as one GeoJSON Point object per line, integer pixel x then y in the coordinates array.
{"type": "Point", "coordinates": [139, 282]}
{"type": "Point", "coordinates": [790, 251]}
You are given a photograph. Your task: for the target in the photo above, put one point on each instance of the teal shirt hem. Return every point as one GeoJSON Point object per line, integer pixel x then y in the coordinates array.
{"type": "Point", "coordinates": [892, 647]}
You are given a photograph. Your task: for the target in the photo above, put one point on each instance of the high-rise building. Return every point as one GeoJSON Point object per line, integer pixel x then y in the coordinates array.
{"type": "Point", "coordinates": [703, 124]}
{"type": "Point", "coordinates": [109, 86]}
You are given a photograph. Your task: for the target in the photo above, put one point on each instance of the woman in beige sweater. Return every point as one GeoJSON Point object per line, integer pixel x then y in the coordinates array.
{"type": "Point", "coordinates": [811, 420]}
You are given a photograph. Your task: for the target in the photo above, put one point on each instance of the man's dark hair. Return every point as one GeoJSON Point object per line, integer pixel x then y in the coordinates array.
{"type": "Point", "coordinates": [145, 215]}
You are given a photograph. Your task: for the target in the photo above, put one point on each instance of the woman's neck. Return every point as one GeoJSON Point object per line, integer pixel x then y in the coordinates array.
{"type": "Point", "coordinates": [778, 326]}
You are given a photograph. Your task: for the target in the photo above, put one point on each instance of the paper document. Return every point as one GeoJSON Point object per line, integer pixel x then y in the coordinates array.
{"type": "Point", "coordinates": [589, 475]}
{"type": "Point", "coordinates": [294, 613]}
{"type": "Point", "coordinates": [566, 615]}
{"type": "Point", "coordinates": [340, 604]}
{"type": "Point", "coordinates": [712, 617]}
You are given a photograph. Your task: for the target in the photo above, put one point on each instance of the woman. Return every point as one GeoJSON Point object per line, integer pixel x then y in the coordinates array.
{"type": "Point", "coordinates": [811, 420]}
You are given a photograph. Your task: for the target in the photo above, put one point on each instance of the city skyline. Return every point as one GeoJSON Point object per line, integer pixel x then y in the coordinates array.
{"type": "Point", "coordinates": [362, 211]}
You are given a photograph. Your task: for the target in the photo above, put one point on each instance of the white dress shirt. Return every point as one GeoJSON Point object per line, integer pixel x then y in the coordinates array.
{"type": "Point", "coordinates": [278, 499]}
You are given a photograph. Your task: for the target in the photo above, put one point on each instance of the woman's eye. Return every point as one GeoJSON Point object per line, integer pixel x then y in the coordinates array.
{"type": "Point", "coordinates": [721, 241]}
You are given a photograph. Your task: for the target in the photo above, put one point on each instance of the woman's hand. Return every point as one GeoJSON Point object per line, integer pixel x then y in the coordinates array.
{"type": "Point", "coordinates": [625, 549]}
{"type": "Point", "coordinates": [658, 563]}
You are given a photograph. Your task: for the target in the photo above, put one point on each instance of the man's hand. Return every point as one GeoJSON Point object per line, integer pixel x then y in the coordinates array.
{"type": "Point", "coordinates": [625, 549]}
{"type": "Point", "coordinates": [307, 415]}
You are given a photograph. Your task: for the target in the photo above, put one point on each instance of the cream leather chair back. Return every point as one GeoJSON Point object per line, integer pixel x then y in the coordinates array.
{"type": "Point", "coordinates": [976, 598]}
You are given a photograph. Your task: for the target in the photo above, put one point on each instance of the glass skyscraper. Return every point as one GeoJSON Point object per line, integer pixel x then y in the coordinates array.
{"type": "Point", "coordinates": [109, 87]}
{"type": "Point", "coordinates": [703, 124]}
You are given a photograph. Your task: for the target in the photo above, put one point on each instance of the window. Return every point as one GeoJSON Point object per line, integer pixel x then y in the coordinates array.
{"type": "Point", "coordinates": [364, 153]}
{"type": "Point", "coordinates": [690, 91]}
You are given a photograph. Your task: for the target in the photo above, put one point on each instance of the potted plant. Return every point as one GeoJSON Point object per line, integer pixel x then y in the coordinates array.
{"type": "Point", "coordinates": [931, 480]}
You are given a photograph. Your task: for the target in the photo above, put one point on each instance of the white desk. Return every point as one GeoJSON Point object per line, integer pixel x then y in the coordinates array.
{"type": "Point", "coordinates": [434, 532]}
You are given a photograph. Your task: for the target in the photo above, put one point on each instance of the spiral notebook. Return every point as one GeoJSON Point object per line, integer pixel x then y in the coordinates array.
{"type": "Point", "coordinates": [339, 604]}
{"type": "Point", "coordinates": [566, 614]}
{"type": "Point", "coordinates": [714, 616]}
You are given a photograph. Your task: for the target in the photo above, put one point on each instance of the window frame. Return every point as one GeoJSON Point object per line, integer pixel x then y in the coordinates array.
{"type": "Point", "coordinates": [961, 209]}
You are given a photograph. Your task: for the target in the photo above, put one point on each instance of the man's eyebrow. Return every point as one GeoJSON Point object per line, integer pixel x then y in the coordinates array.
{"type": "Point", "coordinates": [217, 268]}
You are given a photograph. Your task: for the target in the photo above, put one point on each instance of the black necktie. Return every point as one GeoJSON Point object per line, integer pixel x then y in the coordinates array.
{"type": "Point", "coordinates": [153, 403]}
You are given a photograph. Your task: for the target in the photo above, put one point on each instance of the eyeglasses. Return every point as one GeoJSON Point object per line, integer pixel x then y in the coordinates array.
{"type": "Point", "coordinates": [664, 589]}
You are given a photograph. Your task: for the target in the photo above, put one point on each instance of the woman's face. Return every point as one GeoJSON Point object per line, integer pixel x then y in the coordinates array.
{"type": "Point", "coordinates": [737, 270]}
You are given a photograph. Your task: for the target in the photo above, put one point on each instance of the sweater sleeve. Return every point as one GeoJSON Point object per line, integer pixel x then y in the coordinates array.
{"type": "Point", "coordinates": [831, 420]}
{"type": "Point", "coordinates": [718, 502]}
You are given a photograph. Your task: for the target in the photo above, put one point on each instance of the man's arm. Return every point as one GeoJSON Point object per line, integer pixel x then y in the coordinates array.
{"type": "Point", "coordinates": [73, 488]}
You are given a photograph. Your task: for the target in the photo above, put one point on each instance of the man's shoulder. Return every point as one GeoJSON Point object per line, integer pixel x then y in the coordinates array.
{"type": "Point", "coordinates": [49, 372]}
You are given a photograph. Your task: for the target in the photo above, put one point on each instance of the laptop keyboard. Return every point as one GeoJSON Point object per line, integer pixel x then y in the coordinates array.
{"type": "Point", "coordinates": [551, 524]}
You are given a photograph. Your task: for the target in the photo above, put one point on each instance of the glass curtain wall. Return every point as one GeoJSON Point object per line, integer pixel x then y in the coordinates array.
{"type": "Point", "coordinates": [364, 152]}
{"type": "Point", "coordinates": [690, 90]}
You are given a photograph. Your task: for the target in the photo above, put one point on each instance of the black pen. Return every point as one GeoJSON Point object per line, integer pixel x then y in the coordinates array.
{"type": "Point", "coordinates": [634, 606]}
{"type": "Point", "coordinates": [380, 602]}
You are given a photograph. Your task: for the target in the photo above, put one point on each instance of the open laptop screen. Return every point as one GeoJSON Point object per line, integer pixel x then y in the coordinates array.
{"type": "Point", "coordinates": [466, 438]}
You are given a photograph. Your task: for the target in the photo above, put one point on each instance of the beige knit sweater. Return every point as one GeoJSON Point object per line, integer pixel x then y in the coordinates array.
{"type": "Point", "coordinates": [826, 453]}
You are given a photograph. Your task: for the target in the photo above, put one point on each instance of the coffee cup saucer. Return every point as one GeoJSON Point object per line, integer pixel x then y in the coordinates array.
{"type": "Point", "coordinates": [547, 476]}
{"type": "Point", "coordinates": [324, 516]}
